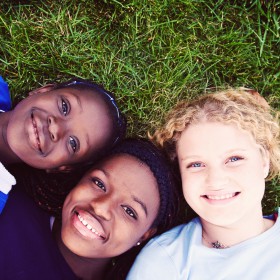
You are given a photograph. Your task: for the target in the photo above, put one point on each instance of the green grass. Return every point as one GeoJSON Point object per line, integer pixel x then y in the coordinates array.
{"type": "Point", "coordinates": [150, 53]}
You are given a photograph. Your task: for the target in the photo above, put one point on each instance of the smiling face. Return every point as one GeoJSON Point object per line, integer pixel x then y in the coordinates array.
{"type": "Point", "coordinates": [223, 171]}
{"type": "Point", "coordinates": [111, 209]}
{"type": "Point", "coordinates": [58, 127]}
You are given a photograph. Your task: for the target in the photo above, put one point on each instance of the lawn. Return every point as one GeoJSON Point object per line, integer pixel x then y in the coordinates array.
{"type": "Point", "coordinates": [150, 53]}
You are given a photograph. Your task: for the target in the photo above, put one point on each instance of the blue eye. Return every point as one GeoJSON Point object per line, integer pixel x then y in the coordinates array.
{"type": "Point", "coordinates": [99, 184]}
{"type": "Point", "coordinates": [195, 165]}
{"type": "Point", "coordinates": [235, 158]}
{"type": "Point", "coordinates": [130, 212]}
{"type": "Point", "coordinates": [74, 144]}
{"type": "Point", "coordinates": [64, 107]}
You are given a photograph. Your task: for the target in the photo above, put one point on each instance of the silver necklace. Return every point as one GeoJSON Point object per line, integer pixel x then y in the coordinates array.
{"type": "Point", "coordinates": [216, 244]}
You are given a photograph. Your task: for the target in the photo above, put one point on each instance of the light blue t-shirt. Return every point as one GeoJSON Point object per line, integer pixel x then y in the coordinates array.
{"type": "Point", "coordinates": [180, 254]}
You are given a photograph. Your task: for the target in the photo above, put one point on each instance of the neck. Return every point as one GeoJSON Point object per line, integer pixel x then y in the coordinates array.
{"type": "Point", "coordinates": [7, 155]}
{"type": "Point", "coordinates": [229, 235]}
{"type": "Point", "coordinates": [83, 268]}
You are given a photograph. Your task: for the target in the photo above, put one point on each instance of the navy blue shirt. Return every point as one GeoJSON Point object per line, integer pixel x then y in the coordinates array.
{"type": "Point", "coordinates": [27, 247]}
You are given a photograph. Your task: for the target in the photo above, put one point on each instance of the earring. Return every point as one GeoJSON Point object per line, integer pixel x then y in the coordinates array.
{"type": "Point", "coordinates": [138, 243]}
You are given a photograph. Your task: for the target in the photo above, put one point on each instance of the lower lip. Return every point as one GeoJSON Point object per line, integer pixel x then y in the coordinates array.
{"type": "Point", "coordinates": [83, 230]}
{"type": "Point", "coordinates": [220, 201]}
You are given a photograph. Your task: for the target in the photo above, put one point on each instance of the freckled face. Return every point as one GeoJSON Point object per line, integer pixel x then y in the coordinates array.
{"type": "Point", "coordinates": [59, 127]}
{"type": "Point", "coordinates": [111, 208]}
{"type": "Point", "coordinates": [223, 171]}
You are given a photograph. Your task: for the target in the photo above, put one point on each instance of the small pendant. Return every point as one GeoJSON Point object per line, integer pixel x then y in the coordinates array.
{"type": "Point", "coordinates": [218, 245]}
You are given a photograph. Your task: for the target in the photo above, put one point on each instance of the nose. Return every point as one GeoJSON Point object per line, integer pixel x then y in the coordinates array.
{"type": "Point", "coordinates": [103, 207]}
{"type": "Point", "coordinates": [54, 128]}
{"type": "Point", "coordinates": [216, 178]}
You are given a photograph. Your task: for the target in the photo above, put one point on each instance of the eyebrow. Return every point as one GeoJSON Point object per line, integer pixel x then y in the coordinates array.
{"type": "Point", "coordinates": [195, 157]}
{"type": "Point", "coordinates": [78, 100]}
{"type": "Point", "coordinates": [142, 204]}
{"type": "Point", "coordinates": [87, 140]}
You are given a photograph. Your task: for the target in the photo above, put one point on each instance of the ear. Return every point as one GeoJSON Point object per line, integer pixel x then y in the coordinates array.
{"type": "Point", "coordinates": [43, 89]}
{"type": "Point", "coordinates": [266, 162]}
{"type": "Point", "coordinates": [258, 97]}
{"type": "Point", "coordinates": [148, 234]}
{"type": "Point", "coordinates": [61, 169]}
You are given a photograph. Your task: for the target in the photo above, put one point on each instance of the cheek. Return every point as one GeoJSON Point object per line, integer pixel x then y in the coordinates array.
{"type": "Point", "coordinates": [128, 240]}
{"type": "Point", "coordinates": [255, 182]}
{"type": "Point", "coordinates": [123, 240]}
{"type": "Point", "coordinates": [188, 195]}
{"type": "Point", "coordinates": [252, 176]}
{"type": "Point", "coordinates": [76, 195]}
{"type": "Point", "coordinates": [192, 186]}
{"type": "Point", "coordinates": [127, 234]}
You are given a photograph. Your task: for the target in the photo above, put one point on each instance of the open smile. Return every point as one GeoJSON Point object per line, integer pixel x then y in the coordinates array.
{"type": "Point", "coordinates": [36, 133]}
{"type": "Point", "coordinates": [220, 198]}
{"type": "Point", "coordinates": [88, 225]}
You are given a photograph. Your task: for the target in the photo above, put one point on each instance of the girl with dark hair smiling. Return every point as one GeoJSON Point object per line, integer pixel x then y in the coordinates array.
{"type": "Point", "coordinates": [59, 126]}
{"type": "Point", "coordinates": [118, 205]}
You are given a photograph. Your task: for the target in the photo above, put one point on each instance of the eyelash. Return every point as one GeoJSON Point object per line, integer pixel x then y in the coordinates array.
{"type": "Point", "coordinates": [65, 107]}
{"type": "Point", "coordinates": [99, 184]}
{"type": "Point", "coordinates": [237, 158]}
{"type": "Point", "coordinates": [129, 212]}
{"type": "Point", "coordinates": [65, 110]}
{"type": "Point", "coordinates": [74, 143]}
{"type": "Point", "coordinates": [192, 165]}
{"type": "Point", "coordinates": [200, 164]}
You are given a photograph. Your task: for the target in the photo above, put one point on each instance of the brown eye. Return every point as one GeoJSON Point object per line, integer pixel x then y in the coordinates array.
{"type": "Point", "coordinates": [73, 144]}
{"type": "Point", "coordinates": [65, 107]}
{"type": "Point", "coordinates": [129, 212]}
{"type": "Point", "coordinates": [99, 184]}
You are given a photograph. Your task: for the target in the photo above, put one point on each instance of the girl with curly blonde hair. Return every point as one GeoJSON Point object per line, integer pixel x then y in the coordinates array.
{"type": "Point", "coordinates": [226, 145]}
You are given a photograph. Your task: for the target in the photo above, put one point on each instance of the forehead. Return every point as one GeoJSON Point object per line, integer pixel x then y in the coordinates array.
{"type": "Point", "coordinates": [214, 137]}
{"type": "Point", "coordinates": [123, 163]}
{"type": "Point", "coordinates": [132, 175]}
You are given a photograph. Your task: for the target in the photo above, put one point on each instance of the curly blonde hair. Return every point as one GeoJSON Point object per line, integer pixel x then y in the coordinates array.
{"type": "Point", "coordinates": [233, 106]}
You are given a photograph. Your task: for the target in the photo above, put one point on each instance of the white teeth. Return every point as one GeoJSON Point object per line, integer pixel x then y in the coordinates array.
{"type": "Point", "coordinates": [220, 197]}
{"type": "Point", "coordinates": [85, 223]}
{"type": "Point", "coordinates": [36, 133]}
